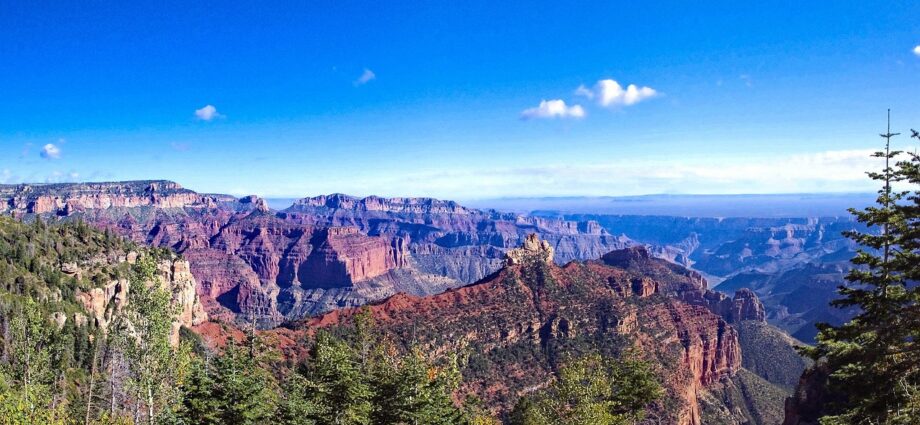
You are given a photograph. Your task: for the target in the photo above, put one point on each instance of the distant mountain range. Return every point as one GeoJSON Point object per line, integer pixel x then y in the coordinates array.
{"type": "Point", "coordinates": [759, 206]}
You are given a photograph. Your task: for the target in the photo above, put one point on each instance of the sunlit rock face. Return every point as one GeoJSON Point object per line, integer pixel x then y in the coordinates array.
{"type": "Point", "coordinates": [173, 277]}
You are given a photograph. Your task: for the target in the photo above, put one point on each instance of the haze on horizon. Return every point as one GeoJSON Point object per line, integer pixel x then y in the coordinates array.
{"type": "Point", "coordinates": [458, 101]}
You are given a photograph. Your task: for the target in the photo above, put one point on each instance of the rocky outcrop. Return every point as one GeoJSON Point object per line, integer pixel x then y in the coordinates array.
{"type": "Point", "coordinates": [710, 348]}
{"type": "Point", "coordinates": [176, 278]}
{"type": "Point", "coordinates": [746, 306]}
{"type": "Point", "coordinates": [533, 250]}
{"type": "Point", "coordinates": [104, 303]}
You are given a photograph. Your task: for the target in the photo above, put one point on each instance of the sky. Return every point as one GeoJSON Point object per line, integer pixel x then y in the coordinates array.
{"type": "Point", "coordinates": [458, 100]}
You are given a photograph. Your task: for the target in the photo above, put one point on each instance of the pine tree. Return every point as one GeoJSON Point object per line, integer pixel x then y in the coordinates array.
{"type": "Point", "coordinates": [592, 390]}
{"type": "Point", "coordinates": [878, 349]}
{"type": "Point", "coordinates": [244, 390]}
{"type": "Point", "coordinates": [199, 404]}
{"type": "Point", "coordinates": [411, 390]}
{"type": "Point", "coordinates": [339, 387]}
{"type": "Point", "coordinates": [230, 388]}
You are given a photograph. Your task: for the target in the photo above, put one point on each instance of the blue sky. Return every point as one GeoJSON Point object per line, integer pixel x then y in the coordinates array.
{"type": "Point", "coordinates": [447, 99]}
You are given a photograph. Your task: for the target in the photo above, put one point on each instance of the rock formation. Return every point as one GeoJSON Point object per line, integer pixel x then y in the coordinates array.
{"type": "Point", "coordinates": [686, 285]}
{"type": "Point", "coordinates": [70, 198]}
{"type": "Point", "coordinates": [173, 276]}
{"type": "Point", "coordinates": [532, 307]}
{"type": "Point", "coordinates": [794, 264]}
{"type": "Point", "coordinates": [533, 250]}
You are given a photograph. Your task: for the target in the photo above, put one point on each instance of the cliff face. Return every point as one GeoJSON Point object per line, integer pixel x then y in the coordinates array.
{"type": "Point", "coordinates": [520, 322]}
{"type": "Point", "coordinates": [173, 276]}
{"type": "Point", "coordinates": [444, 235]}
{"type": "Point", "coordinates": [320, 254]}
{"type": "Point", "coordinates": [687, 285]}
{"type": "Point", "coordinates": [66, 199]}
{"type": "Point", "coordinates": [344, 257]}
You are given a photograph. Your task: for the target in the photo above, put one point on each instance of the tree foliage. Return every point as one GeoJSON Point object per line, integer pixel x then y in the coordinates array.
{"type": "Point", "coordinates": [879, 349]}
{"type": "Point", "coordinates": [592, 390]}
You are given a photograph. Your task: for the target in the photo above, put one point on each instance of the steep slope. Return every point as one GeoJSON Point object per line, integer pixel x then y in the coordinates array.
{"type": "Point", "coordinates": [518, 324]}
{"type": "Point", "coordinates": [799, 297]}
{"type": "Point", "coordinates": [770, 353]}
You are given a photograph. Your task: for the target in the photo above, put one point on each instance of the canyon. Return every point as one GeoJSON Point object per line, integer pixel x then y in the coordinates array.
{"type": "Point", "coordinates": [517, 293]}
{"type": "Point", "coordinates": [322, 253]}
{"type": "Point", "coordinates": [523, 320]}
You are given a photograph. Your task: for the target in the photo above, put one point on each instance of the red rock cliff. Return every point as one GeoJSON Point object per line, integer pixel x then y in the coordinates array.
{"type": "Point", "coordinates": [533, 305]}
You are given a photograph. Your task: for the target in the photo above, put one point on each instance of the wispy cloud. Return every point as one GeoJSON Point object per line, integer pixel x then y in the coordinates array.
{"type": "Point", "coordinates": [553, 109]}
{"type": "Point", "coordinates": [50, 151]}
{"type": "Point", "coordinates": [207, 113]}
{"type": "Point", "coordinates": [747, 79]}
{"type": "Point", "coordinates": [609, 93]}
{"type": "Point", "coordinates": [917, 50]}
{"type": "Point", "coordinates": [827, 171]}
{"type": "Point", "coordinates": [366, 77]}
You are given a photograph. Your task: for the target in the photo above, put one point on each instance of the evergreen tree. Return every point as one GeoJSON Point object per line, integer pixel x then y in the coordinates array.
{"type": "Point", "coordinates": [339, 388]}
{"type": "Point", "coordinates": [232, 388]}
{"type": "Point", "coordinates": [874, 359]}
{"type": "Point", "coordinates": [199, 403]}
{"type": "Point", "coordinates": [410, 390]}
{"type": "Point", "coordinates": [592, 390]}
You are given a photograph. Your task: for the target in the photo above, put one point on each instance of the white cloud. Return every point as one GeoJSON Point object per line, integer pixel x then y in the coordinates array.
{"type": "Point", "coordinates": [610, 93]}
{"type": "Point", "coordinates": [50, 151]}
{"type": "Point", "coordinates": [584, 91]}
{"type": "Point", "coordinates": [553, 109]}
{"type": "Point", "coordinates": [917, 50]}
{"type": "Point", "coordinates": [207, 113]}
{"type": "Point", "coordinates": [365, 77]}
